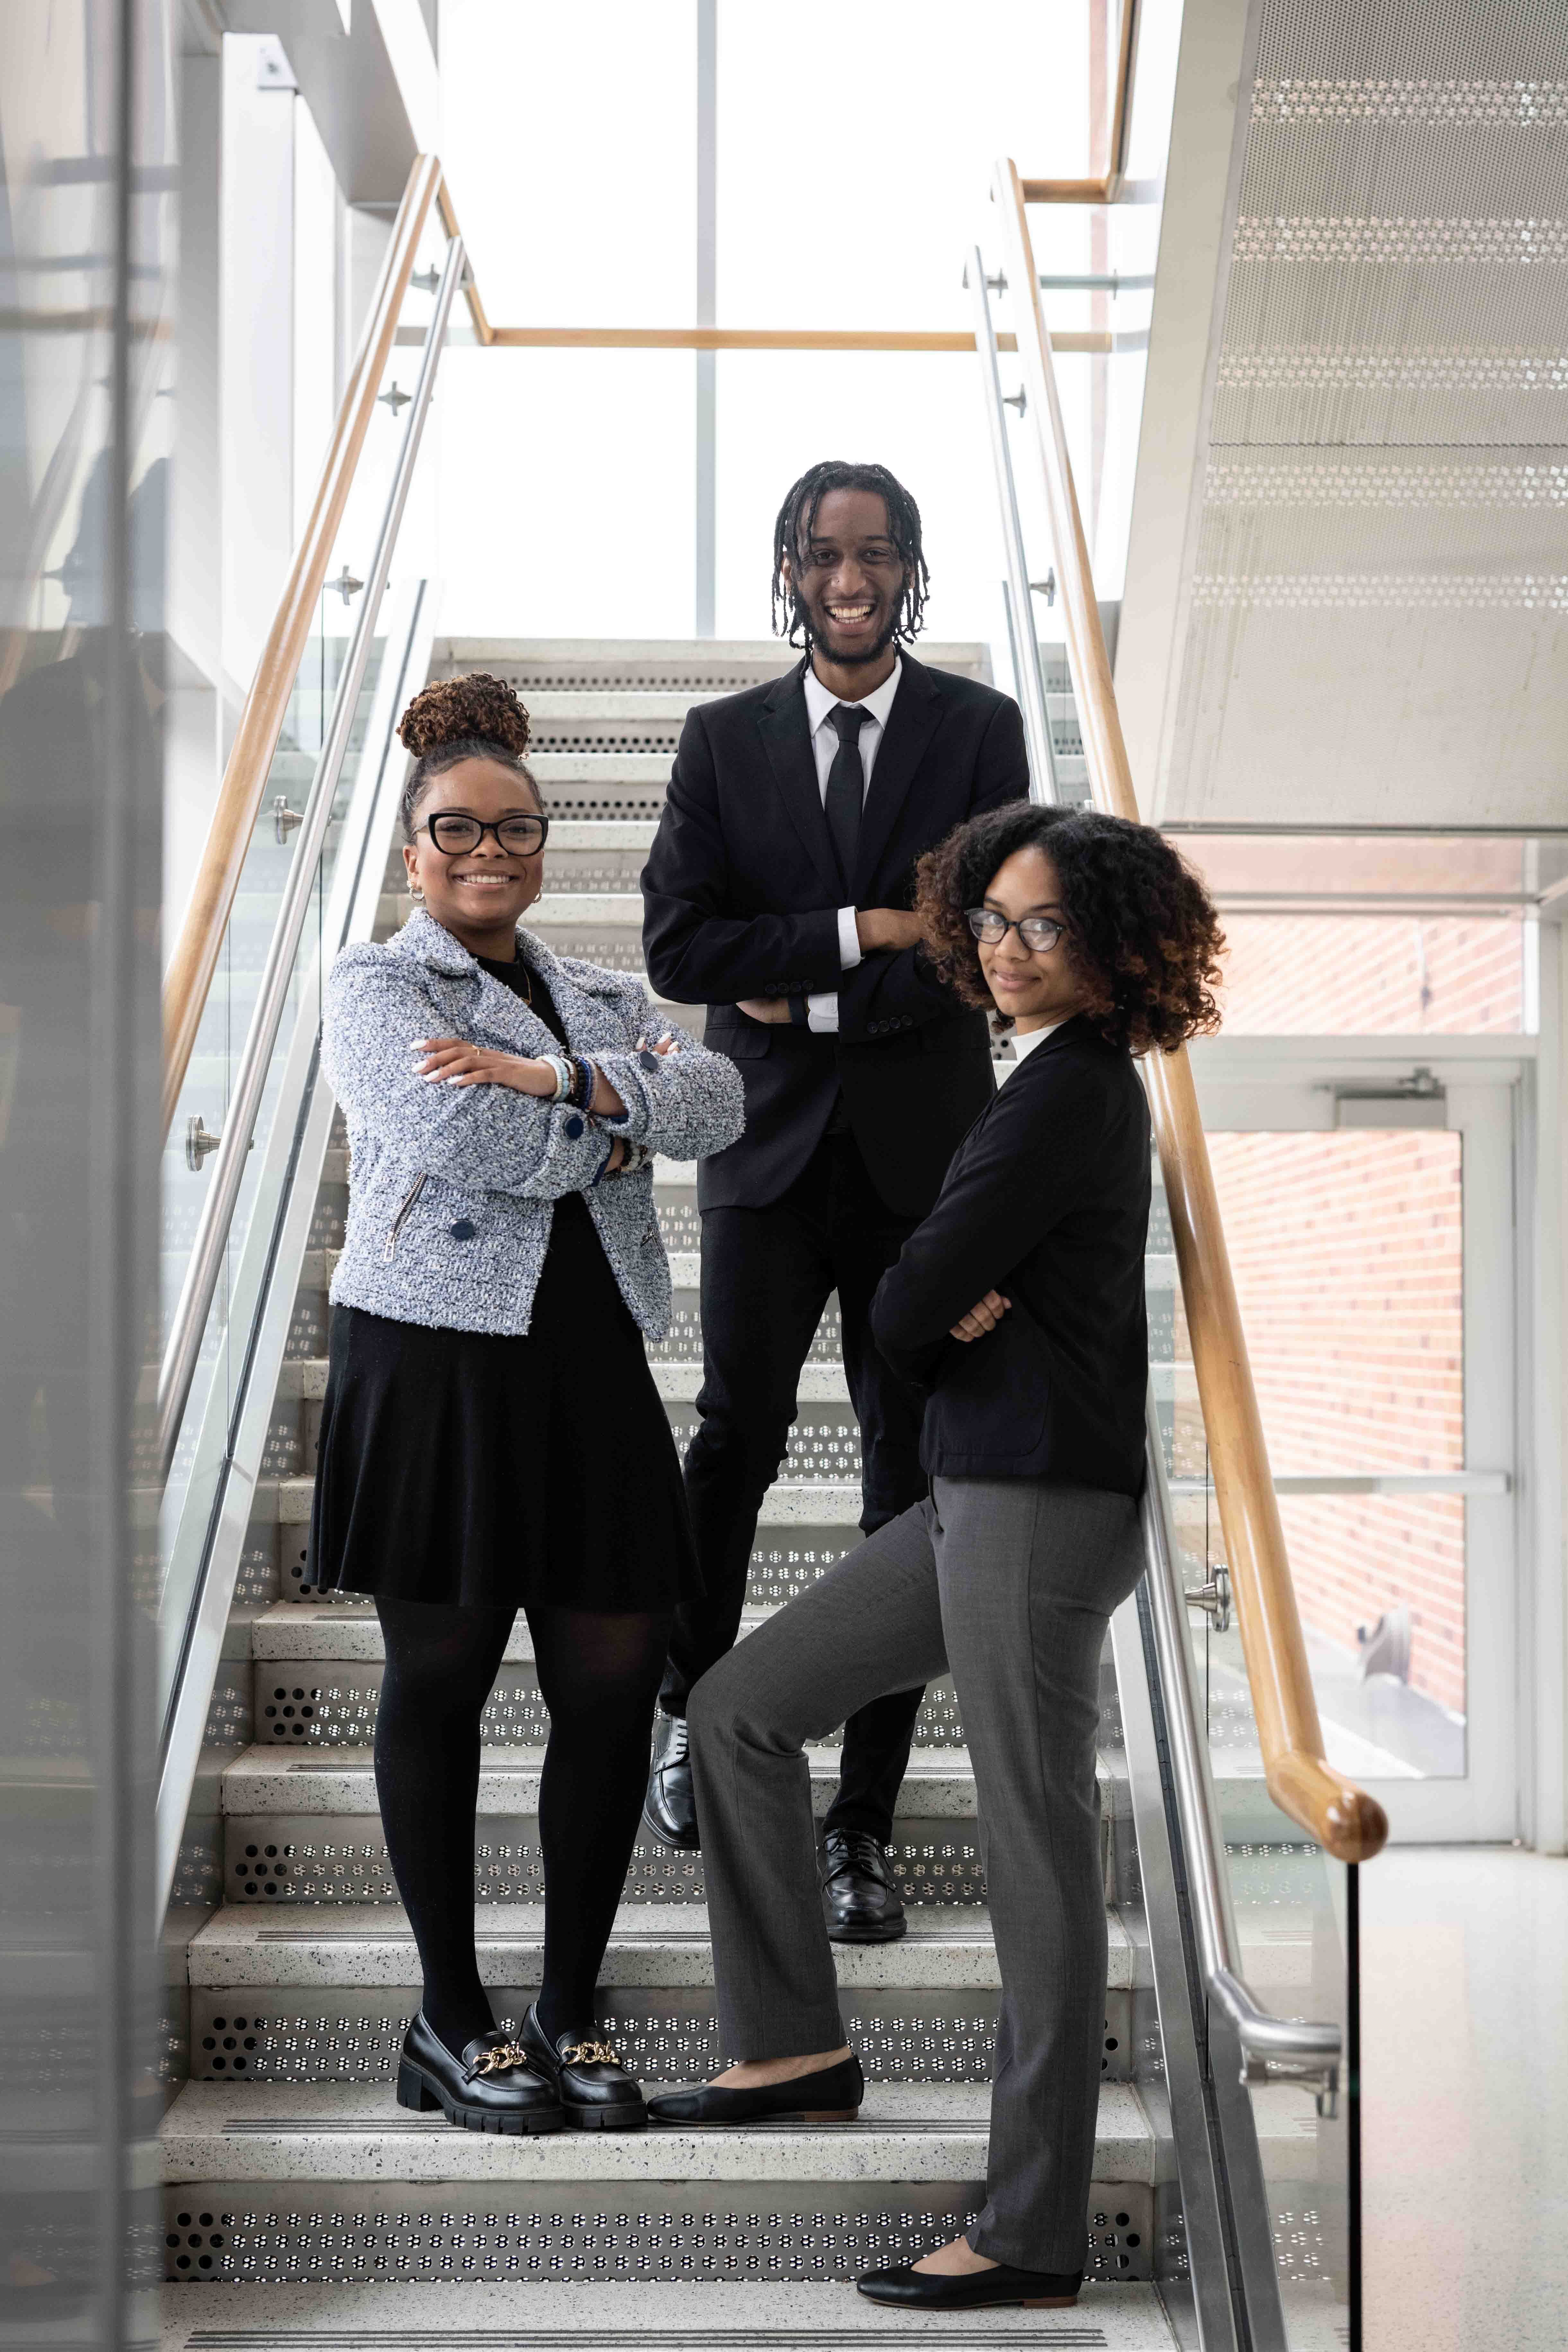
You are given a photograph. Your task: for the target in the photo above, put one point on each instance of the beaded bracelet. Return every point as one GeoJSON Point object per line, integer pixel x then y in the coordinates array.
{"type": "Point", "coordinates": [584, 1078]}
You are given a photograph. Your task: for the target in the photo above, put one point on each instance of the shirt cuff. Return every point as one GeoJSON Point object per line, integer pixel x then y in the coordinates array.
{"type": "Point", "coordinates": [849, 942]}
{"type": "Point", "coordinates": [822, 1012]}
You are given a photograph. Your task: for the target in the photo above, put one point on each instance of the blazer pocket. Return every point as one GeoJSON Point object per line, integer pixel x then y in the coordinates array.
{"type": "Point", "coordinates": [742, 1045]}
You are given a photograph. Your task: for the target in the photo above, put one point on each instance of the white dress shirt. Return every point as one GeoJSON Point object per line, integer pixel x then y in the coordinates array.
{"type": "Point", "coordinates": [822, 1007]}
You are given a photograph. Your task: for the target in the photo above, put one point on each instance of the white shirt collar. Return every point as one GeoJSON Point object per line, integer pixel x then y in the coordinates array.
{"type": "Point", "coordinates": [819, 700]}
{"type": "Point", "coordinates": [1023, 1046]}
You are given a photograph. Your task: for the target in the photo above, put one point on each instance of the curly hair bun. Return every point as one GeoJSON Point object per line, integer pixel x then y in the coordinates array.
{"type": "Point", "coordinates": [476, 710]}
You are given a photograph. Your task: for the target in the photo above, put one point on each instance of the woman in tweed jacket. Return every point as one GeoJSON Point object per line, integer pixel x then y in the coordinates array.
{"type": "Point", "coordinates": [492, 1438]}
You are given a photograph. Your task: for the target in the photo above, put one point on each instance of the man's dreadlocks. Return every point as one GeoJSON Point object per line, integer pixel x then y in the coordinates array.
{"type": "Point", "coordinates": [797, 521]}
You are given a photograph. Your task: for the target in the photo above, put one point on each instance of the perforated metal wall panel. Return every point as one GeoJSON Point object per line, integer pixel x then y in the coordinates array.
{"type": "Point", "coordinates": [1374, 626]}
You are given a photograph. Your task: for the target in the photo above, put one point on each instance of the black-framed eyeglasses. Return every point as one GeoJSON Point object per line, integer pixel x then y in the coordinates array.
{"type": "Point", "coordinates": [452, 833]}
{"type": "Point", "coordinates": [1038, 932]}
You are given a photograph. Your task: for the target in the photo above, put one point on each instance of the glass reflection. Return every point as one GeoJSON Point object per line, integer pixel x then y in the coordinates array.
{"type": "Point", "coordinates": [85, 353]}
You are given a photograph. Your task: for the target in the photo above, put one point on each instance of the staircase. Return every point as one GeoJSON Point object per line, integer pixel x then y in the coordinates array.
{"type": "Point", "coordinates": [288, 2163]}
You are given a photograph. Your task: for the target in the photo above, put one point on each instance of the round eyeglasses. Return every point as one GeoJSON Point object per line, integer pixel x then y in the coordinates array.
{"type": "Point", "coordinates": [1038, 932]}
{"type": "Point", "coordinates": [520, 836]}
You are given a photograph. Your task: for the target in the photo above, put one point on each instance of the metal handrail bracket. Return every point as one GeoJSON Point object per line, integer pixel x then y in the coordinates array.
{"type": "Point", "coordinates": [206, 1262]}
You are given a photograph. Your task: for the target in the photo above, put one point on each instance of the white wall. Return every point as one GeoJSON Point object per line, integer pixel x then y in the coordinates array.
{"type": "Point", "coordinates": [256, 348]}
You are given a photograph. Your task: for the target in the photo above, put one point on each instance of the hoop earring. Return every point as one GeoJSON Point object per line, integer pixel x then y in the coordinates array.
{"type": "Point", "coordinates": [418, 895]}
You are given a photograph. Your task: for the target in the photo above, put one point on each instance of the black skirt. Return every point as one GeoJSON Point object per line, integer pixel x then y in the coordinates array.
{"type": "Point", "coordinates": [495, 1471]}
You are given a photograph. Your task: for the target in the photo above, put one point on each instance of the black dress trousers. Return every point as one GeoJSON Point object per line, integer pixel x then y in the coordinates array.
{"type": "Point", "coordinates": [767, 1274]}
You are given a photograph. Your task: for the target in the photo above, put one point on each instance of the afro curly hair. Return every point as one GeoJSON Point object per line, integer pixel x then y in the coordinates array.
{"type": "Point", "coordinates": [1143, 936]}
{"type": "Point", "coordinates": [474, 718]}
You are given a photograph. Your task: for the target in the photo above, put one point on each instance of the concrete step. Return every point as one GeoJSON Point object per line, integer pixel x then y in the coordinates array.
{"type": "Point", "coordinates": [694, 667]}
{"type": "Point", "coordinates": [288, 1632]}
{"type": "Point", "coordinates": [369, 1943]}
{"type": "Point", "coordinates": [345, 2132]}
{"type": "Point", "coordinates": [599, 768]}
{"type": "Point", "coordinates": [717, 2315]}
{"type": "Point", "coordinates": [678, 1382]}
{"type": "Point", "coordinates": [938, 1786]}
{"type": "Point", "coordinates": [806, 1503]}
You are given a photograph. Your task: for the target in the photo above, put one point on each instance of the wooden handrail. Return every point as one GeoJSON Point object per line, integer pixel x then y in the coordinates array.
{"type": "Point", "coordinates": [1104, 187]}
{"type": "Point", "coordinates": [194, 960]}
{"type": "Point", "coordinates": [1343, 1819]}
{"type": "Point", "coordinates": [482, 327]}
{"type": "Point", "coordinates": [767, 339]}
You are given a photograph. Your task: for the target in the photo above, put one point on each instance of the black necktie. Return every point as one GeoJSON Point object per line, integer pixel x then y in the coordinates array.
{"type": "Point", "coordinates": [846, 785]}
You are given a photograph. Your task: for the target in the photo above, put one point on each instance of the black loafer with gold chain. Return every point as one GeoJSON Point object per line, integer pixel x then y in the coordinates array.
{"type": "Point", "coordinates": [596, 2092]}
{"type": "Point", "coordinates": [494, 2086]}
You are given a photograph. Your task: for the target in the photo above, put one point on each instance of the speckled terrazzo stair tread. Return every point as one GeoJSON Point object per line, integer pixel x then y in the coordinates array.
{"type": "Point", "coordinates": [676, 1380]}
{"type": "Point", "coordinates": [790, 1503]}
{"type": "Point", "coordinates": [330, 2131]}
{"type": "Point", "coordinates": [298, 1633]}
{"type": "Point", "coordinates": [661, 2316]}
{"type": "Point", "coordinates": [653, 1943]}
{"type": "Point", "coordinates": [936, 1786]}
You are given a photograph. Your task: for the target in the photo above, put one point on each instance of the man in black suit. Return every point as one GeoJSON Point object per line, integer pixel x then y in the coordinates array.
{"type": "Point", "coordinates": [777, 894]}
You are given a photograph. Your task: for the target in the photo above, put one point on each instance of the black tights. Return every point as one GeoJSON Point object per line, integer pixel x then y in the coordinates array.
{"type": "Point", "coordinates": [598, 1676]}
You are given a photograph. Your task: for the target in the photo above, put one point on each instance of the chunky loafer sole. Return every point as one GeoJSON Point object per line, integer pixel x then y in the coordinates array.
{"type": "Point", "coordinates": [416, 2090]}
{"type": "Point", "coordinates": [622, 2118]}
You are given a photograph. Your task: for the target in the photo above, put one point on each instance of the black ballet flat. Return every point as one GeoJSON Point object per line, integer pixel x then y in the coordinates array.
{"type": "Point", "coordinates": [831, 2095]}
{"type": "Point", "coordinates": [494, 2086]}
{"type": "Point", "coordinates": [974, 2290]}
{"type": "Point", "coordinates": [596, 2092]}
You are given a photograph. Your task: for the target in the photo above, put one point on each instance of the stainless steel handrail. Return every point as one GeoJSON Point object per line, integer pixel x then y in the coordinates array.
{"type": "Point", "coordinates": [1028, 667]}
{"type": "Point", "coordinates": [1304, 2049]}
{"type": "Point", "coordinates": [183, 1349]}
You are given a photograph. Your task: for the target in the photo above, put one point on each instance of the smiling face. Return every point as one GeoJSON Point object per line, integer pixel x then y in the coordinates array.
{"type": "Point", "coordinates": [849, 579]}
{"type": "Point", "coordinates": [479, 895]}
{"type": "Point", "coordinates": [1036, 987]}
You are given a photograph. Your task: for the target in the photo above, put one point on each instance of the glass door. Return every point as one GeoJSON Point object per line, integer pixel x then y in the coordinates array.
{"type": "Point", "coordinates": [1368, 1206]}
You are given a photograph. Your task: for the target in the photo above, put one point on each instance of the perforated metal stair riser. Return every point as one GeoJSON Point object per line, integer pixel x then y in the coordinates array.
{"type": "Point", "coordinates": [772, 2232]}
{"type": "Point", "coordinates": [291, 1972]}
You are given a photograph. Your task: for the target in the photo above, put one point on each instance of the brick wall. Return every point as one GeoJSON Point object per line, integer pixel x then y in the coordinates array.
{"type": "Point", "coordinates": [1333, 975]}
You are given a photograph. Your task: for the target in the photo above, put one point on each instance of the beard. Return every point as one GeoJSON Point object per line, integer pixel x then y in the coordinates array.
{"type": "Point", "coordinates": [857, 660]}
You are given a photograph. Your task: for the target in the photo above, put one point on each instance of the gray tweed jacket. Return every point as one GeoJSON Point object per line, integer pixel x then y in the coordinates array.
{"type": "Point", "coordinates": [451, 1188]}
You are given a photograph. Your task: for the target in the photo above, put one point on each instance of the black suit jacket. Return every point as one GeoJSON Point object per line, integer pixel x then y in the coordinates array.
{"type": "Point", "coordinates": [1046, 1201]}
{"type": "Point", "coordinates": [740, 896]}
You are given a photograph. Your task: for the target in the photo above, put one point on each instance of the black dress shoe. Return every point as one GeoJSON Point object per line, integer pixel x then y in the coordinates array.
{"type": "Point", "coordinates": [669, 1808]}
{"type": "Point", "coordinates": [494, 2086]}
{"type": "Point", "coordinates": [831, 2095]}
{"type": "Point", "coordinates": [595, 2089]}
{"type": "Point", "coordinates": [860, 1900]}
{"type": "Point", "coordinates": [974, 2290]}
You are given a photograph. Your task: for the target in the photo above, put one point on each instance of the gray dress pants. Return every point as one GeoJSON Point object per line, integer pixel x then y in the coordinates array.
{"type": "Point", "coordinates": [1010, 1583]}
